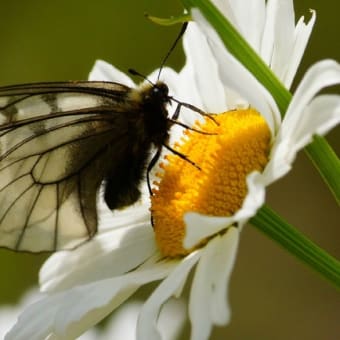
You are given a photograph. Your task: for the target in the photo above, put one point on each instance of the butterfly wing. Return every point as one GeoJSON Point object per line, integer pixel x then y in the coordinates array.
{"type": "Point", "coordinates": [54, 142]}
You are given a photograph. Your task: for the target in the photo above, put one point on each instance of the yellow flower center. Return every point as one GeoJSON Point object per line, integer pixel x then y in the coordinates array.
{"type": "Point", "coordinates": [240, 145]}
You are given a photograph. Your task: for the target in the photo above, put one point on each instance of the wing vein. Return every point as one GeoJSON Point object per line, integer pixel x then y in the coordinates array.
{"type": "Point", "coordinates": [88, 229]}
{"type": "Point", "coordinates": [102, 89]}
{"type": "Point", "coordinates": [21, 236]}
{"type": "Point", "coordinates": [55, 241]}
{"type": "Point", "coordinates": [100, 112]}
{"type": "Point", "coordinates": [54, 128]}
{"type": "Point", "coordinates": [15, 201]}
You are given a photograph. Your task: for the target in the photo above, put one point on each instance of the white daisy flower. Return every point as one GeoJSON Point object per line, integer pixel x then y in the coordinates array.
{"type": "Point", "coordinates": [254, 150]}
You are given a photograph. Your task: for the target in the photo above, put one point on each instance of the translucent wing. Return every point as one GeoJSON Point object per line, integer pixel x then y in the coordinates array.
{"type": "Point", "coordinates": [55, 139]}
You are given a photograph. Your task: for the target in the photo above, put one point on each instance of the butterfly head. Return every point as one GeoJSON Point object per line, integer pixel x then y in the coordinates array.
{"type": "Point", "coordinates": [157, 94]}
{"type": "Point", "coordinates": [154, 98]}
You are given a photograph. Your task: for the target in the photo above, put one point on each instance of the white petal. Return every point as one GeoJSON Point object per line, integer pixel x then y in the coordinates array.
{"type": "Point", "coordinates": [224, 260]}
{"type": "Point", "coordinates": [122, 325]}
{"type": "Point", "coordinates": [199, 227]}
{"type": "Point", "coordinates": [9, 313]}
{"type": "Point", "coordinates": [305, 117]}
{"type": "Point", "coordinates": [226, 8]}
{"type": "Point", "coordinates": [208, 301]}
{"type": "Point", "coordinates": [100, 299]}
{"type": "Point", "coordinates": [34, 324]}
{"type": "Point", "coordinates": [237, 77]}
{"type": "Point", "coordinates": [267, 43]}
{"type": "Point", "coordinates": [8, 316]}
{"type": "Point", "coordinates": [99, 259]}
{"type": "Point", "coordinates": [172, 319]}
{"type": "Point", "coordinates": [322, 114]}
{"type": "Point", "coordinates": [68, 314]}
{"type": "Point", "coordinates": [207, 78]}
{"type": "Point", "coordinates": [254, 199]}
{"type": "Point", "coordinates": [302, 35]}
{"type": "Point", "coordinates": [246, 16]}
{"type": "Point", "coordinates": [147, 322]}
{"type": "Point", "coordinates": [91, 334]}
{"type": "Point", "coordinates": [103, 71]}
{"type": "Point", "coordinates": [186, 89]}
{"type": "Point", "coordinates": [283, 25]}
{"type": "Point", "coordinates": [250, 18]}
{"type": "Point", "coordinates": [199, 303]}
{"type": "Point", "coordinates": [135, 214]}
{"type": "Point", "coordinates": [322, 74]}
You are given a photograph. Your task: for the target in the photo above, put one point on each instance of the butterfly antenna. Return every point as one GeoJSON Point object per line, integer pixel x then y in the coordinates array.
{"type": "Point", "coordinates": [135, 73]}
{"type": "Point", "coordinates": [182, 31]}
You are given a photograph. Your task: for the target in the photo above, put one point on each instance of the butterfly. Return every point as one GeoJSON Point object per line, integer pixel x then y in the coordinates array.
{"type": "Point", "coordinates": [61, 141]}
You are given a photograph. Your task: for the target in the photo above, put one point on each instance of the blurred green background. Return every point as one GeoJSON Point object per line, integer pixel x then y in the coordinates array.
{"type": "Point", "coordinates": [273, 296]}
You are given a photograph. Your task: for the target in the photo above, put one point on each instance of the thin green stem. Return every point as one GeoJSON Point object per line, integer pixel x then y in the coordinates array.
{"type": "Point", "coordinates": [327, 163]}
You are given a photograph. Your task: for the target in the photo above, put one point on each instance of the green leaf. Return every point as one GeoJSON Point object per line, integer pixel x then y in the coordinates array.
{"type": "Point", "coordinates": [169, 21]}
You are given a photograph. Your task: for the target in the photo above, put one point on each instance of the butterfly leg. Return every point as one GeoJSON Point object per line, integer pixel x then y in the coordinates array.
{"type": "Point", "coordinates": [152, 163]}
{"type": "Point", "coordinates": [184, 157]}
{"type": "Point", "coordinates": [174, 118]}
{"type": "Point", "coordinates": [177, 112]}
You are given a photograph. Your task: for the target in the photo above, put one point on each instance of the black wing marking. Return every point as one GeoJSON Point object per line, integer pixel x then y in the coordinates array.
{"type": "Point", "coordinates": [55, 139]}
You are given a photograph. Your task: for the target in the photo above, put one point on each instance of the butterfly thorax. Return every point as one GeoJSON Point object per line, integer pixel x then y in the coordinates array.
{"type": "Point", "coordinates": [154, 99]}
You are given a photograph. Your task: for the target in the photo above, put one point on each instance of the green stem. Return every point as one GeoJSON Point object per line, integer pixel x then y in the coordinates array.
{"type": "Point", "coordinates": [327, 163]}
{"type": "Point", "coordinates": [303, 248]}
